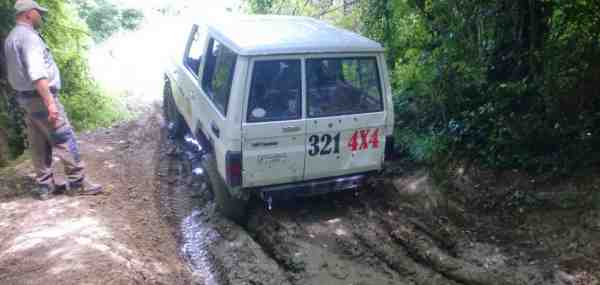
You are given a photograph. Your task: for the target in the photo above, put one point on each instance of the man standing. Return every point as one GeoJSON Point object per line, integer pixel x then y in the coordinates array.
{"type": "Point", "coordinates": [33, 73]}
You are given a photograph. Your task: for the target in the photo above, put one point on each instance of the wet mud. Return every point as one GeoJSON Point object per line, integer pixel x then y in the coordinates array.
{"type": "Point", "coordinates": [400, 229]}
{"type": "Point", "coordinates": [217, 250]}
{"type": "Point", "coordinates": [384, 233]}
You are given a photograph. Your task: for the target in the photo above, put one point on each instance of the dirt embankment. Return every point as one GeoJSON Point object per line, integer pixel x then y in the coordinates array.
{"type": "Point", "coordinates": [159, 226]}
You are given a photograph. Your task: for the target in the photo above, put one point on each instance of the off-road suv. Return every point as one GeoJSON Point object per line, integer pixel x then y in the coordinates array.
{"type": "Point", "coordinates": [287, 106]}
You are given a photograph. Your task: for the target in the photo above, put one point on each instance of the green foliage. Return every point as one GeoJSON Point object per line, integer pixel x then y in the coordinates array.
{"type": "Point", "coordinates": [512, 84]}
{"type": "Point", "coordinates": [331, 11]}
{"type": "Point", "coordinates": [260, 6]}
{"type": "Point", "coordinates": [281, 7]}
{"type": "Point", "coordinates": [131, 18]}
{"type": "Point", "coordinates": [11, 120]}
{"type": "Point", "coordinates": [105, 18]}
{"type": "Point", "coordinates": [476, 82]}
{"type": "Point", "coordinates": [107, 109]}
{"type": "Point", "coordinates": [12, 125]}
{"type": "Point", "coordinates": [68, 37]}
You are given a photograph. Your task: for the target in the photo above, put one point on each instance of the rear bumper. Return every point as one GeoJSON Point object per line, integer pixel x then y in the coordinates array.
{"type": "Point", "coordinates": [313, 187]}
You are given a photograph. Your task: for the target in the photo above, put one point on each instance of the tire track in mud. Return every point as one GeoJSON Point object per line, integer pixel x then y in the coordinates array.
{"type": "Point", "coordinates": [217, 250]}
{"type": "Point", "coordinates": [342, 239]}
{"type": "Point", "coordinates": [315, 239]}
{"type": "Point", "coordinates": [338, 238]}
{"type": "Point", "coordinates": [330, 239]}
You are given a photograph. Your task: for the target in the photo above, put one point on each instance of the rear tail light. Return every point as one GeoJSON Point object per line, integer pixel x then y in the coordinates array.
{"type": "Point", "coordinates": [233, 166]}
{"type": "Point", "coordinates": [389, 148]}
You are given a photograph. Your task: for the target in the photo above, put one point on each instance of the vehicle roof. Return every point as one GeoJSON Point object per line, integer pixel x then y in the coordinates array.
{"type": "Point", "coordinates": [272, 35]}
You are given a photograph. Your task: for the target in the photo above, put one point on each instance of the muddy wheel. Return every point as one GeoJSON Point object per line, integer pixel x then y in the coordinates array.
{"type": "Point", "coordinates": [230, 206]}
{"type": "Point", "coordinates": [175, 122]}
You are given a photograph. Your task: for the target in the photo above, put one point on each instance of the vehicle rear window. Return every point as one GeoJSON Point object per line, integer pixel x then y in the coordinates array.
{"type": "Point", "coordinates": [339, 86]}
{"type": "Point", "coordinates": [218, 74]}
{"type": "Point", "coordinates": [276, 92]}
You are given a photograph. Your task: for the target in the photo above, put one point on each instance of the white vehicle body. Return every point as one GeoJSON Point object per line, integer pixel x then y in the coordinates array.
{"type": "Point", "coordinates": [303, 135]}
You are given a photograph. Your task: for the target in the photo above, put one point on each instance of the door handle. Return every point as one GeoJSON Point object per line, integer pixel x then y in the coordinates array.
{"type": "Point", "coordinates": [291, 129]}
{"type": "Point", "coordinates": [215, 129]}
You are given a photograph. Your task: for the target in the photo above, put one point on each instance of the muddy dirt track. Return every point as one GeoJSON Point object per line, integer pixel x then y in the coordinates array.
{"type": "Point", "coordinates": [397, 230]}
{"type": "Point", "coordinates": [160, 226]}
{"type": "Point", "coordinates": [118, 238]}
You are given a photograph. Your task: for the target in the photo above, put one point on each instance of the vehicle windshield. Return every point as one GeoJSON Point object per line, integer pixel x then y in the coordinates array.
{"type": "Point", "coordinates": [339, 86]}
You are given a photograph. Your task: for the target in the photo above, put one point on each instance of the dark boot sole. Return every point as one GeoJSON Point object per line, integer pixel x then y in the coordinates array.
{"type": "Point", "coordinates": [60, 189]}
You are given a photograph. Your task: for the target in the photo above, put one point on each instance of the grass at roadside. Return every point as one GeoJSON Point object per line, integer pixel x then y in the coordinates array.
{"type": "Point", "coordinates": [101, 109]}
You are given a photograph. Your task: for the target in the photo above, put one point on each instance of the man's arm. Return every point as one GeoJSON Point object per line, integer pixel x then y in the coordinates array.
{"type": "Point", "coordinates": [32, 50]}
{"type": "Point", "coordinates": [43, 90]}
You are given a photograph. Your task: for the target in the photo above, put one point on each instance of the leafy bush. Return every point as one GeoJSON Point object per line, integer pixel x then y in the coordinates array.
{"type": "Point", "coordinates": [471, 81]}
{"type": "Point", "coordinates": [337, 13]}
{"type": "Point", "coordinates": [512, 84]}
{"type": "Point", "coordinates": [105, 18]}
{"type": "Point", "coordinates": [68, 37]}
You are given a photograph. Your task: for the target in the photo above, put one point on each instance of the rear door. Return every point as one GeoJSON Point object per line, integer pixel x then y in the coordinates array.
{"type": "Point", "coordinates": [345, 116]}
{"type": "Point", "coordinates": [274, 131]}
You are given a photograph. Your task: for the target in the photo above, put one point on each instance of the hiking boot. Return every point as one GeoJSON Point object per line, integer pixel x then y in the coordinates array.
{"type": "Point", "coordinates": [59, 189]}
{"type": "Point", "coordinates": [42, 192]}
{"type": "Point", "coordinates": [84, 188]}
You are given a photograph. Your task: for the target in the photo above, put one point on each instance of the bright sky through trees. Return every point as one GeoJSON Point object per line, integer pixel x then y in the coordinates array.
{"type": "Point", "coordinates": [131, 63]}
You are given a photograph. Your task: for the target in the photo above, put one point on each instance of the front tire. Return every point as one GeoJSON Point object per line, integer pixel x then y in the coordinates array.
{"type": "Point", "coordinates": [230, 206]}
{"type": "Point", "coordinates": [175, 122]}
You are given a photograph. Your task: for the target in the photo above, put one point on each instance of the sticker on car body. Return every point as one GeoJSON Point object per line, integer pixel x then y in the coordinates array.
{"type": "Point", "coordinates": [327, 144]}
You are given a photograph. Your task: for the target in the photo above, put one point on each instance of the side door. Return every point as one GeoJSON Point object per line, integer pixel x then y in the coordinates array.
{"type": "Point", "coordinates": [188, 78]}
{"type": "Point", "coordinates": [219, 72]}
{"type": "Point", "coordinates": [274, 130]}
{"type": "Point", "coordinates": [345, 116]}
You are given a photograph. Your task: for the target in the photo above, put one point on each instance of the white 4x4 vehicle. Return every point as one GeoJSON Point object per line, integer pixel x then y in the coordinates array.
{"type": "Point", "coordinates": [287, 105]}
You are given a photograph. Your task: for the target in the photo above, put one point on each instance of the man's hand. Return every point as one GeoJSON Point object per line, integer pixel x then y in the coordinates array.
{"type": "Point", "coordinates": [53, 115]}
{"type": "Point", "coordinates": [44, 91]}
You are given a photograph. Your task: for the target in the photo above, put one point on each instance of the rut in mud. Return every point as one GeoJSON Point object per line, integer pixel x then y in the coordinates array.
{"type": "Point", "coordinates": [377, 235]}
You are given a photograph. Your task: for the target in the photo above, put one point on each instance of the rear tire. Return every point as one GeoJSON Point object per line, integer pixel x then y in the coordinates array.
{"type": "Point", "coordinates": [230, 206]}
{"type": "Point", "coordinates": [175, 122]}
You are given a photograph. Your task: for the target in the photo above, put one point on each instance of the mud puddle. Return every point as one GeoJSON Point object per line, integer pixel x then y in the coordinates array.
{"type": "Point", "coordinates": [184, 199]}
{"type": "Point", "coordinates": [195, 238]}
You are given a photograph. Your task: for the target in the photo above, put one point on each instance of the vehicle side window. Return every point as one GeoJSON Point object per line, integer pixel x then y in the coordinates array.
{"type": "Point", "coordinates": [218, 74]}
{"type": "Point", "coordinates": [276, 91]}
{"type": "Point", "coordinates": [339, 86]}
{"type": "Point", "coordinates": [194, 56]}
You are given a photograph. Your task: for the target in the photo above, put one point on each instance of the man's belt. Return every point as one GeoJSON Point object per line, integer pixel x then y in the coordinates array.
{"type": "Point", "coordinates": [33, 93]}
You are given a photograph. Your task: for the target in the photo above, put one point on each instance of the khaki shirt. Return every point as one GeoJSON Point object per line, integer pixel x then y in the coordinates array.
{"type": "Point", "coordinates": [28, 59]}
